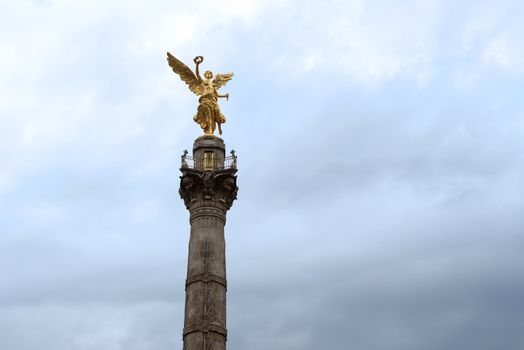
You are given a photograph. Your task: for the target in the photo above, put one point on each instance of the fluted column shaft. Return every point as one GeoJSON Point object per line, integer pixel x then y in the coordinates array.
{"type": "Point", "coordinates": [205, 311]}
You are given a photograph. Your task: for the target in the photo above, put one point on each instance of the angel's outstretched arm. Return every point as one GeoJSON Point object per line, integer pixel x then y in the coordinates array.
{"type": "Point", "coordinates": [226, 96]}
{"type": "Point", "coordinates": [197, 61]}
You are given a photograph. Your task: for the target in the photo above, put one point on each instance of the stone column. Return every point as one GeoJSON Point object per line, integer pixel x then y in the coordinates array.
{"type": "Point", "coordinates": [208, 188]}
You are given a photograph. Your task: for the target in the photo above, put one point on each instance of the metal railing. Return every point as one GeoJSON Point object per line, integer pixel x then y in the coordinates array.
{"type": "Point", "coordinates": [209, 164]}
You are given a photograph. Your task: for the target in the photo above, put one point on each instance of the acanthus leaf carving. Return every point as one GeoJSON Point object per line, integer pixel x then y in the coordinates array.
{"type": "Point", "coordinates": [209, 186]}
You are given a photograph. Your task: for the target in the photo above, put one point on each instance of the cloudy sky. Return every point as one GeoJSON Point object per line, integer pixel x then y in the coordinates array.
{"type": "Point", "coordinates": [381, 156]}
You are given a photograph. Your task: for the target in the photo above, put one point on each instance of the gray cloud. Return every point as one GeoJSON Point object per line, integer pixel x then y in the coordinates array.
{"type": "Point", "coordinates": [380, 177]}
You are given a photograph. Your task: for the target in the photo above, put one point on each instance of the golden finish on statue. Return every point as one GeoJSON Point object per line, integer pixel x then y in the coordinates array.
{"type": "Point", "coordinates": [208, 113]}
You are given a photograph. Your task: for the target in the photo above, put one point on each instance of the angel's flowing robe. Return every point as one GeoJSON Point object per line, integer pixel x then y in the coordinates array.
{"type": "Point", "coordinates": [208, 114]}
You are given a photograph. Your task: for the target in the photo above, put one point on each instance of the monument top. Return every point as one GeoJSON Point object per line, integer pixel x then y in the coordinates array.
{"type": "Point", "coordinates": [208, 114]}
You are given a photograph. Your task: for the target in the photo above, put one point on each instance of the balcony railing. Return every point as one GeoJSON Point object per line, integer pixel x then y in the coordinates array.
{"type": "Point", "coordinates": [209, 164]}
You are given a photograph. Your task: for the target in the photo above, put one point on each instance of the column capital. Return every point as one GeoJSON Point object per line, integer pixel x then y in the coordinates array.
{"type": "Point", "coordinates": [208, 188]}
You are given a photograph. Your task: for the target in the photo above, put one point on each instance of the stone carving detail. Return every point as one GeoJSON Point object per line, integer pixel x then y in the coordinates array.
{"type": "Point", "coordinates": [208, 316]}
{"type": "Point", "coordinates": [208, 254]}
{"type": "Point", "coordinates": [218, 186]}
{"type": "Point", "coordinates": [206, 308]}
{"type": "Point", "coordinates": [208, 190]}
{"type": "Point", "coordinates": [208, 212]}
{"type": "Point", "coordinates": [206, 277]}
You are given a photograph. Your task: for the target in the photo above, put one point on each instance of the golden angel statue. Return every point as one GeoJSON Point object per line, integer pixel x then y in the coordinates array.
{"type": "Point", "coordinates": [208, 113]}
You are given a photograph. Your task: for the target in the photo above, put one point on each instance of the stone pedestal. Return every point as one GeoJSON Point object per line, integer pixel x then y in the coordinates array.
{"type": "Point", "coordinates": [208, 188]}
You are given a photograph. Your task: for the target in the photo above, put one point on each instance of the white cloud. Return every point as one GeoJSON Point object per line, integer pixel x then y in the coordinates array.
{"type": "Point", "coordinates": [506, 51]}
{"type": "Point", "coordinates": [369, 41]}
{"type": "Point", "coordinates": [492, 34]}
{"type": "Point", "coordinates": [60, 58]}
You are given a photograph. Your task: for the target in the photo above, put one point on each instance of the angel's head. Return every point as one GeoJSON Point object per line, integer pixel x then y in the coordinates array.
{"type": "Point", "coordinates": [208, 74]}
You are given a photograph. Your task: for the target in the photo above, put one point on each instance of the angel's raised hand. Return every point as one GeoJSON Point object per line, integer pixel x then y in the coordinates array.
{"type": "Point", "coordinates": [198, 59]}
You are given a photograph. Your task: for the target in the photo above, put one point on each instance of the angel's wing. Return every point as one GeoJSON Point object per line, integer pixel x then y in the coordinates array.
{"type": "Point", "coordinates": [186, 74]}
{"type": "Point", "coordinates": [222, 79]}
